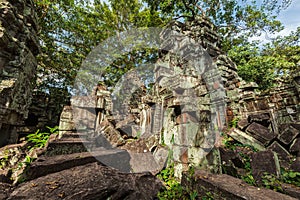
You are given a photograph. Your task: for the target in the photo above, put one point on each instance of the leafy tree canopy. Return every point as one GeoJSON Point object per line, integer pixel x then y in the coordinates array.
{"type": "Point", "coordinates": [236, 20]}
{"type": "Point", "coordinates": [264, 64]}
{"type": "Point", "coordinates": [70, 29]}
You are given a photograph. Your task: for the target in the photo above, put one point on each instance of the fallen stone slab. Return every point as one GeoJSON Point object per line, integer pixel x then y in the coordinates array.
{"type": "Point", "coordinates": [295, 147]}
{"type": "Point", "coordinates": [108, 130]}
{"type": "Point", "coordinates": [262, 118]}
{"type": "Point", "coordinates": [291, 190]}
{"type": "Point", "coordinates": [161, 155]}
{"type": "Point", "coordinates": [262, 163]}
{"type": "Point", "coordinates": [223, 186]}
{"type": "Point", "coordinates": [89, 182]}
{"type": "Point", "coordinates": [45, 165]}
{"type": "Point", "coordinates": [143, 162]}
{"type": "Point", "coordinates": [283, 154]}
{"type": "Point", "coordinates": [68, 145]}
{"type": "Point", "coordinates": [244, 138]}
{"type": "Point", "coordinates": [261, 133]}
{"type": "Point", "coordinates": [243, 124]}
{"type": "Point", "coordinates": [74, 134]}
{"type": "Point", "coordinates": [288, 135]}
{"type": "Point", "coordinates": [231, 161]}
{"type": "Point", "coordinates": [6, 190]}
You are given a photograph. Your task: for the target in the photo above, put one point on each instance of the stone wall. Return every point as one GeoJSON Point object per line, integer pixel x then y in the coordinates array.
{"type": "Point", "coordinates": [183, 113]}
{"type": "Point", "coordinates": [18, 48]}
{"type": "Point", "coordinates": [192, 96]}
{"type": "Point", "coordinates": [196, 95]}
{"type": "Point", "coordinates": [272, 120]}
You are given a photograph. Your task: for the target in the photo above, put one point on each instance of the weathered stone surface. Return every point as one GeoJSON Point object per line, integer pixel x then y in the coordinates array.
{"type": "Point", "coordinates": [18, 48]}
{"type": "Point", "coordinates": [288, 135]}
{"type": "Point", "coordinates": [186, 118]}
{"type": "Point", "coordinates": [222, 186]}
{"type": "Point", "coordinates": [136, 146]}
{"type": "Point", "coordinates": [143, 162]}
{"type": "Point", "coordinates": [66, 122]}
{"type": "Point", "coordinates": [6, 190]}
{"type": "Point", "coordinates": [243, 123]}
{"type": "Point", "coordinates": [90, 181]}
{"type": "Point", "coordinates": [45, 165]}
{"type": "Point", "coordinates": [291, 190]}
{"type": "Point", "coordinates": [283, 154]}
{"type": "Point", "coordinates": [84, 118]}
{"type": "Point", "coordinates": [244, 138]}
{"type": "Point", "coordinates": [263, 118]}
{"type": "Point", "coordinates": [84, 101]}
{"type": "Point", "coordinates": [106, 130]}
{"type": "Point", "coordinates": [295, 166]}
{"type": "Point", "coordinates": [264, 162]}
{"type": "Point", "coordinates": [161, 155]}
{"type": "Point", "coordinates": [295, 147]}
{"type": "Point", "coordinates": [261, 133]}
{"type": "Point", "coordinates": [231, 161]}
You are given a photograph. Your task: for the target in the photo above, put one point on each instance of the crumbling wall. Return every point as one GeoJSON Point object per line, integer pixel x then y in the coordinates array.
{"type": "Point", "coordinates": [181, 114]}
{"type": "Point", "coordinates": [18, 48]}
{"type": "Point", "coordinates": [192, 95]}
{"type": "Point", "coordinates": [196, 95]}
{"type": "Point", "coordinates": [272, 120]}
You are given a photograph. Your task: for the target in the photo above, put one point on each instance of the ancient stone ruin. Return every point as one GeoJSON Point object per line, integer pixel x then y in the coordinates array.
{"type": "Point", "coordinates": [196, 95]}
{"type": "Point", "coordinates": [19, 47]}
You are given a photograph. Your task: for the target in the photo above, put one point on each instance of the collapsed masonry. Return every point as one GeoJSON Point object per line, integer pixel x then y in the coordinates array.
{"type": "Point", "coordinates": [190, 100]}
{"type": "Point", "coordinates": [196, 94]}
{"type": "Point", "coordinates": [180, 116]}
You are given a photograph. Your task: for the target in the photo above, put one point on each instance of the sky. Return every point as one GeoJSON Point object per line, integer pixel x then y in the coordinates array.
{"type": "Point", "coordinates": [290, 19]}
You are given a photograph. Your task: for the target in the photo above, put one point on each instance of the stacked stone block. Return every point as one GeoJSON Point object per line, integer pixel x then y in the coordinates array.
{"type": "Point", "coordinates": [272, 120]}
{"type": "Point", "coordinates": [18, 48]}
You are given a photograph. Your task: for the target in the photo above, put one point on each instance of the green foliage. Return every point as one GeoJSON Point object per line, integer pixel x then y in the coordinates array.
{"type": "Point", "coordinates": [4, 160]}
{"type": "Point", "coordinates": [248, 178]}
{"type": "Point", "coordinates": [39, 139]}
{"type": "Point", "coordinates": [291, 177]}
{"type": "Point", "coordinates": [270, 181]}
{"type": "Point", "coordinates": [28, 160]}
{"type": "Point", "coordinates": [232, 144]}
{"type": "Point", "coordinates": [231, 17]}
{"type": "Point", "coordinates": [71, 29]}
{"type": "Point", "coordinates": [174, 190]}
{"type": "Point", "coordinates": [265, 64]}
{"type": "Point", "coordinates": [233, 123]}
{"type": "Point", "coordinates": [208, 196]}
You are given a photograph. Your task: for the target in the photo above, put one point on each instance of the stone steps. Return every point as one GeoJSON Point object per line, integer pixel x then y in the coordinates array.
{"type": "Point", "coordinates": [44, 165]}
{"type": "Point", "coordinates": [70, 140]}
{"type": "Point", "coordinates": [73, 134]}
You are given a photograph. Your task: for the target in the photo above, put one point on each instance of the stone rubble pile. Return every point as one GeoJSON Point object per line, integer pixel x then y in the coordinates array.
{"type": "Point", "coordinates": [196, 92]}
{"type": "Point", "coordinates": [195, 96]}
{"type": "Point", "coordinates": [272, 121]}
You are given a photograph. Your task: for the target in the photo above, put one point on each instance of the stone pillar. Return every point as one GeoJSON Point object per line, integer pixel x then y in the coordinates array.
{"type": "Point", "coordinates": [18, 48]}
